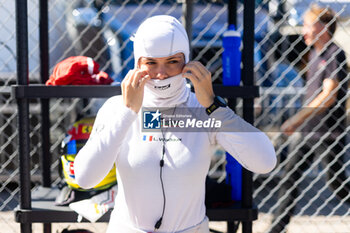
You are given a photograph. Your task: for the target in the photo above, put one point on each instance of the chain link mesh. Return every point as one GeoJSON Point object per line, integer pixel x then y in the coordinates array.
{"type": "Point", "coordinates": [102, 29]}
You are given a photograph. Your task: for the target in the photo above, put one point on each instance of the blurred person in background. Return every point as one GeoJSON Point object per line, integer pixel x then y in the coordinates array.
{"type": "Point", "coordinates": [321, 122]}
{"type": "Point", "coordinates": [161, 183]}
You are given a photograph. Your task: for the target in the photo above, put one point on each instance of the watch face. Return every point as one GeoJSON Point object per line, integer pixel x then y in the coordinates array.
{"type": "Point", "coordinates": [221, 101]}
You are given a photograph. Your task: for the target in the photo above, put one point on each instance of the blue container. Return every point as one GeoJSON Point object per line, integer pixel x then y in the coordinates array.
{"type": "Point", "coordinates": [231, 57]}
{"type": "Point", "coordinates": [231, 63]}
{"type": "Point", "coordinates": [234, 177]}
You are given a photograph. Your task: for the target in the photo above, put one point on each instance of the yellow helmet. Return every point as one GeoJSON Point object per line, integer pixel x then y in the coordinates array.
{"type": "Point", "coordinates": [77, 136]}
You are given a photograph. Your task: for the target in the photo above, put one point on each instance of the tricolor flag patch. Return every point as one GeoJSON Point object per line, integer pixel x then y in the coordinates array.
{"type": "Point", "coordinates": [147, 138]}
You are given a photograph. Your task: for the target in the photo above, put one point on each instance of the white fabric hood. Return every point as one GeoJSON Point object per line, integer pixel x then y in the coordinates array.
{"type": "Point", "coordinates": [160, 36]}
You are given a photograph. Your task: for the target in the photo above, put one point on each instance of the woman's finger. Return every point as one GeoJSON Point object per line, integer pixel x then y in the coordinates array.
{"type": "Point", "coordinates": [191, 77]}
{"type": "Point", "coordinates": [198, 69]}
{"type": "Point", "coordinates": [127, 79]}
{"type": "Point", "coordinates": [143, 81]}
{"type": "Point", "coordinates": [205, 73]}
{"type": "Point", "coordinates": [135, 82]}
{"type": "Point", "coordinates": [191, 68]}
{"type": "Point", "coordinates": [128, 75]}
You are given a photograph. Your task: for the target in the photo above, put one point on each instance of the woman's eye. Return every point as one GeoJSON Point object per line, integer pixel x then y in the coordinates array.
{"type": "Point", "coordinates": [173, 61]}
{"type": "Point", "coordinates": [150, 63]}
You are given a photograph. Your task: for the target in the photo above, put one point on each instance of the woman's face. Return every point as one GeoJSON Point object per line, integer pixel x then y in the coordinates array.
{"type": "Point", "coordinates": [163, 67]}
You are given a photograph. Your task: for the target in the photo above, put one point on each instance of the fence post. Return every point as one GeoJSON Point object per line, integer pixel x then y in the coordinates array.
{"type": "Point", "coordinates": [44, 103]}
{"type": "Point", "coordinates": [187, 15]}
{"type": "Point", "coordinates": [23, 109]}
{"type": "Point", "coordinates": [248, 104]}
{"type": "Point", "coordinates": [44, 73]}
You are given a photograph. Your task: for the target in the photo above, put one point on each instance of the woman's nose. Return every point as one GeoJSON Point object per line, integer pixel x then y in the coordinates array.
{"type": "Point", "coordinates": [161, 73]}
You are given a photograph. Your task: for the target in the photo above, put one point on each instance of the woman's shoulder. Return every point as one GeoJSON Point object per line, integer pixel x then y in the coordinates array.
{"type": "Point", "coordinates": [117, 99]}
{"type": "Point", "coordinates": [111, 105]}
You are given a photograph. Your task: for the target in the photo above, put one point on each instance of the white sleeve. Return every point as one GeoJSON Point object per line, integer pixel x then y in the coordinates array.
{"type": "Point", "coordinates": [248, 145]}
{"type": "Point", "coordinates": [97, 157]}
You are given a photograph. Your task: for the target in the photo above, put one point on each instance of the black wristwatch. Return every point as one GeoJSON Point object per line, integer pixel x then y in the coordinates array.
{"type": "Point", "coordinates": [218, 102]}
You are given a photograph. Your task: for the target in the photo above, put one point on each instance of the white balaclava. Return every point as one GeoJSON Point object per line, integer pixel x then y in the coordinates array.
{"type": "Point", "coordinates": [162, 36]}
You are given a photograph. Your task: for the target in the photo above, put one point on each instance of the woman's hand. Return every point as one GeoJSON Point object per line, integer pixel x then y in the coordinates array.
{"type": "Point", "coordinates": [133, 88]}
{"type": "Point", "coordinates": [201, 80]}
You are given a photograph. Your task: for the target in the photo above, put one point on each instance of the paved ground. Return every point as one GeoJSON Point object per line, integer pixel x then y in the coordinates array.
{"type": "Point", "coordinates": [300, 224]}
{"type": "Point", "coordinates": [332, 218]}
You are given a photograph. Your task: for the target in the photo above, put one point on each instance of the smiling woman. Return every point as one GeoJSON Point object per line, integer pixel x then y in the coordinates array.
{"type": "Point", "coordinates": [161, 174]}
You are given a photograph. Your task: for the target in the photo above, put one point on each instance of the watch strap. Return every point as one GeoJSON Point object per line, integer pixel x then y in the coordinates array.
{"type": "Point", "coordinates": [211, 108]}
{"type": "Point", "coordinates": [218, 102]}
